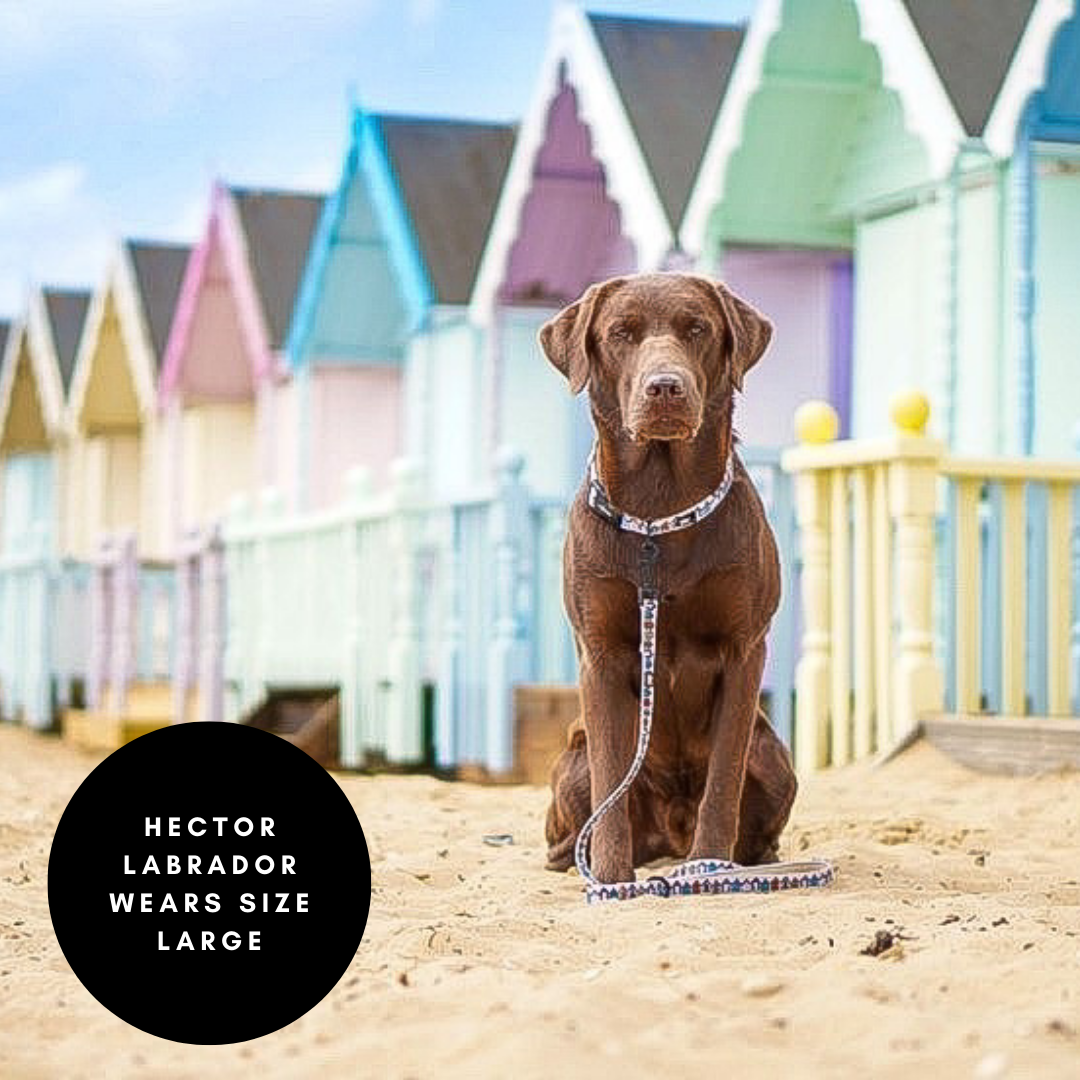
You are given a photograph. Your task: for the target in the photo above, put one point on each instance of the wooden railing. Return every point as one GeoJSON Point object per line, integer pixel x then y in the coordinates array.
{"type": "Point", "coordinates": [44, 631]}
{"type": "Point", "coordinates": [1013, 552]}
{"type": "Point", "coordinates": [389, 594]}
{"type": "Point", "coordinates": [895, 535]}
{"type": "Point", "coordinates": [129, 616]}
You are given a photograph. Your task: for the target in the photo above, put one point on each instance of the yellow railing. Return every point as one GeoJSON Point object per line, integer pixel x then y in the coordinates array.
{"type": "Point", "coordinates": [869, 512]}
{"type": "Point", "coordinates": [1012, 478]}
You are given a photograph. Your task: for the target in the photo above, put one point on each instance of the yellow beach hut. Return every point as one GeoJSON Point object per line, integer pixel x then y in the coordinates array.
{"type": "Point", "coordinates": [40, 660]}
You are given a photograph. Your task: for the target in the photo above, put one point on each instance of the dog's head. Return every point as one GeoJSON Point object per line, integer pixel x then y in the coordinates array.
{"type": "Point", "coordinates": [656, 351]}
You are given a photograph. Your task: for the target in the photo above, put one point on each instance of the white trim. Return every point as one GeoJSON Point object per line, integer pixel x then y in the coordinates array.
{"type": "Point", "coordinates": [119, 281]}
{"type": "Point", "coordinates": [16, 333]}
{"type": "Point", "coordinates": [1027, 74]}
{"type": "Point", "coordinates": [726, 136]}
{"type": "Point", "coordinates": [46, 365]}
{"type": "Point", "coordinates": [80, 376]}
{"type": "Point", "coordinates": [628, 181]}
{"type": "Point", "coordinates": [135, 327]}
{"type": "Point", "coordinates": [906, 68]}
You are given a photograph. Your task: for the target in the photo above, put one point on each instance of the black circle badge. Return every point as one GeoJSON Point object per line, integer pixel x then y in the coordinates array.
{"type": "Point", "coordinates": [209, 883]}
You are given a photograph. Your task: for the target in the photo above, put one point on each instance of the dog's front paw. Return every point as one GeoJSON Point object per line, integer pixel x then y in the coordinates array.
{"type": "Point", "coordinates": [611, 870]}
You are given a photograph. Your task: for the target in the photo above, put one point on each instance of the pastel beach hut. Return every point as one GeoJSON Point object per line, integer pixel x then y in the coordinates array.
{"type": "Point", "coordinates": [113, 400]}
{"type": "Point", "coordinates": [851, 184]}
{"type": "Point", "coordinates": [113, 517]}
{"type": "Point", "coordinates": [384, 293]}
{"type": "Point", "coordinates": [380, 348]}
{"type": "Point", "coordinates": [602, 169]}
{"type": "Point", "coordinates": [40, 665]}
{"type": "Point", "coordinates": [603, 173]}
{"type": "Point", "coordinates": [223, 391]}
{"type": "Point", "coordinates": [1032, 133]}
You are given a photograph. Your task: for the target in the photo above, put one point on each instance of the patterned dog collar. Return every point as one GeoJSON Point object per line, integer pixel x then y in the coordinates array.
{"type": "Point", "coordinates": [603, 507]}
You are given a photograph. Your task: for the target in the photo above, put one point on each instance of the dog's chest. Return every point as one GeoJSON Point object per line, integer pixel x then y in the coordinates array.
{"type": "Point", "coordinates": [705, 619]}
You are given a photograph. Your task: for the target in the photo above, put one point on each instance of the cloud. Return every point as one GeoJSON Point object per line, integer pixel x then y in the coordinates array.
{"type": "Point", "coordinates": [51, 230]}
{"type": "Point", "coordinates": [48, 192]}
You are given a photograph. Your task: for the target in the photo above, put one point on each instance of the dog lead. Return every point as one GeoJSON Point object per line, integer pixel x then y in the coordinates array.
{"type": "Point", "coordinates": [699, 876]}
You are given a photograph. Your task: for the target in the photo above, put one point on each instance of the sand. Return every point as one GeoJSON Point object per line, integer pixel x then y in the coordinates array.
{"type": "Point", "coordinates": [479, 963]}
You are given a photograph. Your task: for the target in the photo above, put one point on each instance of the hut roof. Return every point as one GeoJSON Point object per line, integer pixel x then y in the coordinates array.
{"type": "Point", "coordinates": [159, 273]}
{"type": "Point", "coordinates": [450, 173]}
{"type": "Point", "coordinates": [278, 227]}
{"type": "Point", "coordinates": [66, 310]}
{"type": "Point", "coordinates": [971, 44]}
{"type": "Point", "coordinates": [671, 77]}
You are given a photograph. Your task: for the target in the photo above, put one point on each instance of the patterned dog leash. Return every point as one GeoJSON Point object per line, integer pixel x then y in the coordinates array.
{"type": "Point", "coordinates": [699, 876]}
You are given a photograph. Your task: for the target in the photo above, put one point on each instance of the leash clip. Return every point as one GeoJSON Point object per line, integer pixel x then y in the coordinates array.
{"type": "Point", "coordinates": [648, 586]}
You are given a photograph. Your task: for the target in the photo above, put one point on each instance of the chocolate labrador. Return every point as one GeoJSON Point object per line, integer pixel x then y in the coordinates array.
{"type": "Point", "coordinates": [662, 356]}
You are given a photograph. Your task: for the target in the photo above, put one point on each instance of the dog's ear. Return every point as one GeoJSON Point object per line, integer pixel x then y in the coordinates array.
{"type": "Point", "coordinates": [565, 338]}
{"type": "Point", "coordinates": [750, 331]}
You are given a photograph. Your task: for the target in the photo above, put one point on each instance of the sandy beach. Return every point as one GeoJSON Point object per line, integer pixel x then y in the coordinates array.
{"type": "Point", "coordinates": [479, 963]}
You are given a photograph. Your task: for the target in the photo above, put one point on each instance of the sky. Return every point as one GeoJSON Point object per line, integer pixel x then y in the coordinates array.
{"type": "Point", "coordinates": [116, 115]}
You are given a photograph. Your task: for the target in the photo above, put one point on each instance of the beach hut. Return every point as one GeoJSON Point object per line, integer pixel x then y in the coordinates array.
{"type": "Point", "coordinates": [600, 176]}
{"type": "Point", "coordinates": [113, 401]}
{"type": "Point", "coordinates": [1033, 131]}
{"type": "Point", "coordinates": [895, 134]}
{"type": "Point", "coordinates": [223, 392]}
{"type": "Point", "coordinates": [385, 287]}
{"type": "Point", "coordinates": [38, 661]}
{"type": "Point", "coordinates": [112, 518]}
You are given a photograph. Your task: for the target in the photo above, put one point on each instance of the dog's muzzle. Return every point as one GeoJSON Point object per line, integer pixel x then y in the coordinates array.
{"type": "Point", "coordinates": [666, 405]}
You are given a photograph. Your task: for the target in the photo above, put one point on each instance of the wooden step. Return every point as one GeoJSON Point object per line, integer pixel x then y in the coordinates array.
{"type": "Point", "coordinates": [91, 729]}
{"type": "Point", "coordinates": [150, 699]}
{"type": "Point", "coordinates": [307, 718]}
{"type": "Point", "coordinates": [1019, 745]}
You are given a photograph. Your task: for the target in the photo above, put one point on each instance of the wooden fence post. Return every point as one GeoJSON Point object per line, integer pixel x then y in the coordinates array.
{"type": "Point", "coordinates": [211, 637]}
{"type": "Point", "coordinates": [448, 703]}
{"type": "Point", "coordinates": [350, 719]}
{"type": "Point", "coordinates": [913, 473]}
{"type": "Point", "coordinates": [183, 614]}
{"type": "Point", "coordinates": [508, 653]}
{"type": "Point", "coordinates": [100, 624]}
{"type": "Point", "coordinates": [41, 580]}
{"type": "Point", "coordinates": [815, 422]}
{"type": "Point", "coordinates": [404, 741]}
{"type": "Point", "coordinates": [269, 510]}
{"type": "Point", "coordinates": [237, 648]}
{"type": "Point", "coordinates": [124, 590]}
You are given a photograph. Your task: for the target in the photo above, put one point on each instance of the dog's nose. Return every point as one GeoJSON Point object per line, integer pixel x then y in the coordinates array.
{"type": "Point", "coordinates": [665, 384]}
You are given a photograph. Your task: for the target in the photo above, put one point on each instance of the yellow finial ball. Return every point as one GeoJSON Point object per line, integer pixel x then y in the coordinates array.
{"type": "Point", "coordinates": [816, 422]}
{"type": "Point", "coordinates": [909, 412]}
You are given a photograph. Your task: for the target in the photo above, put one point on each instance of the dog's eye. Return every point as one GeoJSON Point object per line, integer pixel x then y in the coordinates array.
{"type": "Point", "coordinates": [621, 332]}
{"type": "Point", "coordinates": [696, 329]}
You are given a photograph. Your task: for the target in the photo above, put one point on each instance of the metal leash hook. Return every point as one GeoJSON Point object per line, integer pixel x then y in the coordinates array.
{"type": "Point", "coordinates": [648, 560]}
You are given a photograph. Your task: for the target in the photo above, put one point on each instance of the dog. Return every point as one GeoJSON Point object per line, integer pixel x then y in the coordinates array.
{"type": "Point", "coordinates": [662, 356]}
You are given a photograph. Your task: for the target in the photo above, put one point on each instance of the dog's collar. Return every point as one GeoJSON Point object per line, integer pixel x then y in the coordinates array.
{"type": "Point", "coordinates": [603, 507]}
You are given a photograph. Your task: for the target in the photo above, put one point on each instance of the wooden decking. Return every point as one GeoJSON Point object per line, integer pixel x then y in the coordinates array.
{"type": "Point", "coordinates": [1019, 745]}
{"type": "Point", "coordinates": [148, 707]}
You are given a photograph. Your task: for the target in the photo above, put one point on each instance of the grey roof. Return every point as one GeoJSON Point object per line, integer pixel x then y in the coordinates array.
{"type": "Point", "coordinates": [278, 227]}
{"type": "Point", "coordinates": [66, 310]}
{"type": "Point", "coordinates": [972, 43]}
{"type": "Point", "coordinates": [159, 273]}
{"type": "Point", "coordinates": [450, 173]}
{"type": "Point", "coordinates": [671, 77]}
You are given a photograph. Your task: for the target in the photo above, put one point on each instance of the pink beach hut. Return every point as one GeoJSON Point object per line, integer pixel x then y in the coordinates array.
{"type": "Point", "coordinates": [223, 392]}
{"type": "Point", "coordinates": [601, 172]}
